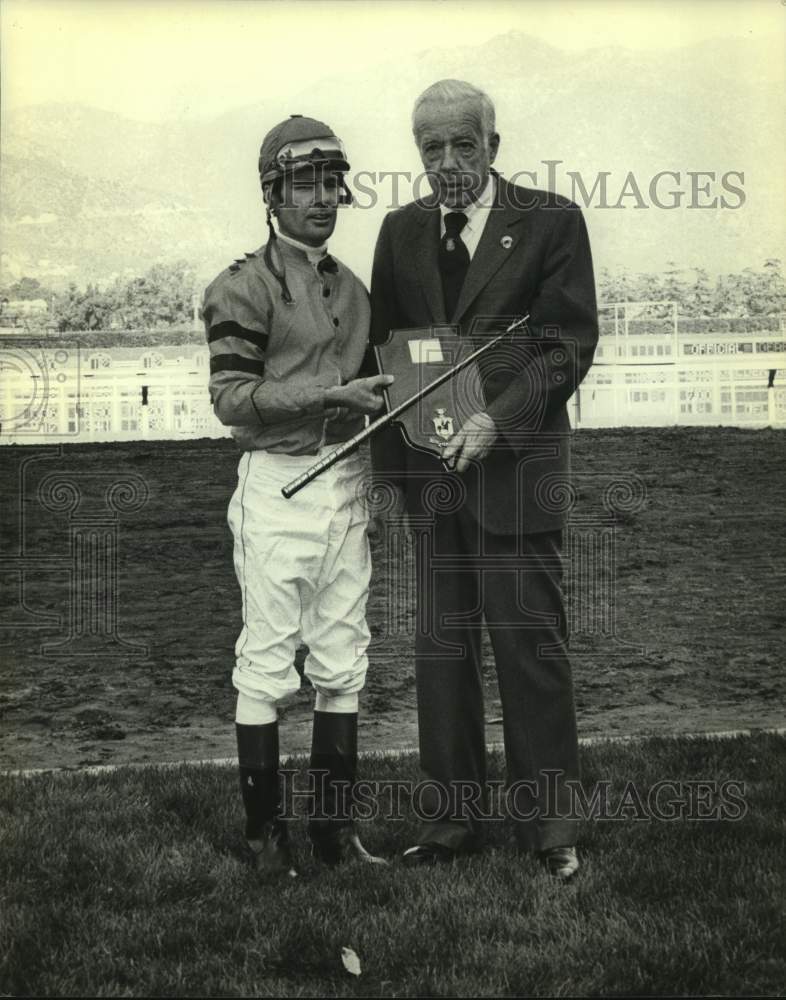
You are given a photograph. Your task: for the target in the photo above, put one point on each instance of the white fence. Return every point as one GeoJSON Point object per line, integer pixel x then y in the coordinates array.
{"type": "Point", "coordinates": [58, 390]}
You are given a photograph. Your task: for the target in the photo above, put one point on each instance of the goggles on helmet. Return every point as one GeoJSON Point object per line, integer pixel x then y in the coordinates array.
{"type": "Point", "coordinates": [322, 153]}
{"type": "Point", "coordinates": [330, 149]}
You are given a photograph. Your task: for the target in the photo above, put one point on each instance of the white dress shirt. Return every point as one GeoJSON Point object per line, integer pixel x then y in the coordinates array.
{"type": "Point", "coordinates": [477, 215]}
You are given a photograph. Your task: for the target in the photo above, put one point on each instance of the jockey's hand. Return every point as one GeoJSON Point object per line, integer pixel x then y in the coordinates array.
{"type": "Point", "coordinates": [340, 415]}
{"type": "Point", "coordinates": [361, 395]}
{"type": "Point", "coordinates": [473, 441]}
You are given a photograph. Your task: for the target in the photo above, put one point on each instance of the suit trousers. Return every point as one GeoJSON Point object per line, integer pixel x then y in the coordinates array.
{"type": "Point", "coordinates": [466, 575]}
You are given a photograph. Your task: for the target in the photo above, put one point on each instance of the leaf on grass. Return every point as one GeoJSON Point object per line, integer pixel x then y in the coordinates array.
{"type": "Point", "coordinates": [351, 961]}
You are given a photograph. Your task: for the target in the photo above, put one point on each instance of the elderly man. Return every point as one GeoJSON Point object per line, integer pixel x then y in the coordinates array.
{"type": "Point", "coordinates": [478, 253]}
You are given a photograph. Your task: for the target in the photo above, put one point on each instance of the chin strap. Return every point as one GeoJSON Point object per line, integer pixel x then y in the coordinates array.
{"type": "Point", "coordinates": [276, 268]}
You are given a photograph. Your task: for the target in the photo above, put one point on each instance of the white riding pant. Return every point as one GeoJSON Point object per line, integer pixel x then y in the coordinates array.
{"type": "Point", "coordinates": [304, 568]}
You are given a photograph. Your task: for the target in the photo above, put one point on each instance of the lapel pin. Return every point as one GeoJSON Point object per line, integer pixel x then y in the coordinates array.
{"type": "Point", "coordinates": [506, 242]}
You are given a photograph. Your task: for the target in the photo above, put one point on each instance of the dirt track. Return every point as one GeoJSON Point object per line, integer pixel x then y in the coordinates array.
{"type": "Point", "coordinates": [699, 589]}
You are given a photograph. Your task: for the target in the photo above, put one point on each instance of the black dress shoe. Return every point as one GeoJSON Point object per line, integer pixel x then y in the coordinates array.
{"type": "Point", "coordinates": [271, 851]}
{"type": "Point", "coordinates": [333, 846]}
{"type": "Point", "coordinates": [560, 862]}
{"type": "Point", "coordinates": [428, 854]}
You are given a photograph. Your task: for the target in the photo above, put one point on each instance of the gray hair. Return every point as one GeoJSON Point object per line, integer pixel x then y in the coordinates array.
{"type": "Point", "coordinates": [454, 91]}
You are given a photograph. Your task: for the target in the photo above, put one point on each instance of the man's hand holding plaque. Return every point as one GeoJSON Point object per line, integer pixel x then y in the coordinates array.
{"type": "Point", "coordinates": [471, 443]}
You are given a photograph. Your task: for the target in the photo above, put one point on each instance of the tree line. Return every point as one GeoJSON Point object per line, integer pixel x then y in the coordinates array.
{"type": "Point", "coordinates": [747, 293]}
{"type": "Point", "coordinates": [162, 298]}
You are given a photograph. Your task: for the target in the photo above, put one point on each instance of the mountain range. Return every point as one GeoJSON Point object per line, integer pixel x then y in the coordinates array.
{"type": "Point", "coordinates": [88, 194]}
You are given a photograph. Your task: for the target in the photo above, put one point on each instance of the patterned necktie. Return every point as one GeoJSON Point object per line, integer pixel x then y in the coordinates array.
{"type": "Point", "coordinates": [453, 260]}
{"type": "Point", "coordinates": [327, 265]}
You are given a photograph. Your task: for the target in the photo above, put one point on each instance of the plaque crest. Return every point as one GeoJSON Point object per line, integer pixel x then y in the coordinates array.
{"type": "Point", "coordinates": [443, 426]}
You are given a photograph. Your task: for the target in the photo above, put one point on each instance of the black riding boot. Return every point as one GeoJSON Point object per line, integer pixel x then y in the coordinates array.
{"type": "Point", "coordinates": [266, 831]}
{"type": "Point", "coordinates": [332, 773]}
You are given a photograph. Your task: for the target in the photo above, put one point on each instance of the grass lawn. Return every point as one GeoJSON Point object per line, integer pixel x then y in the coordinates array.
{"type": "Point", "coordinates": [135, 883]}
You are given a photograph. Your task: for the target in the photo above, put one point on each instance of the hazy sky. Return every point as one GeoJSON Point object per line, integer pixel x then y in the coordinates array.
{"type": "Point", "coordinates": [172, 58]}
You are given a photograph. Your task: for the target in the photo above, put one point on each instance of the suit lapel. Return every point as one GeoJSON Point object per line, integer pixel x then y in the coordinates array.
{"type": "Point", "coordinates": [490, 254]}
{"type": "Point", "coordinates": [426, 261]}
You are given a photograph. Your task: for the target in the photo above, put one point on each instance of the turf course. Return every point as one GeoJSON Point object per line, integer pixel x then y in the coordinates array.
{"type": "Point", "coordinates": [134, 883]}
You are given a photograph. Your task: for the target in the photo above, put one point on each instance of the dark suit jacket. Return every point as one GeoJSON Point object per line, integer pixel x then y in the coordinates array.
{"type": "Point", "coordinates": [533, 257]}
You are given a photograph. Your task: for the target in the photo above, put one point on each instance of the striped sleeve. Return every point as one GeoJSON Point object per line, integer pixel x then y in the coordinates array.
{"type": "Point", "coordinates": [237, 338]}
{"type": "Point", "coordinates": [237, 334]}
